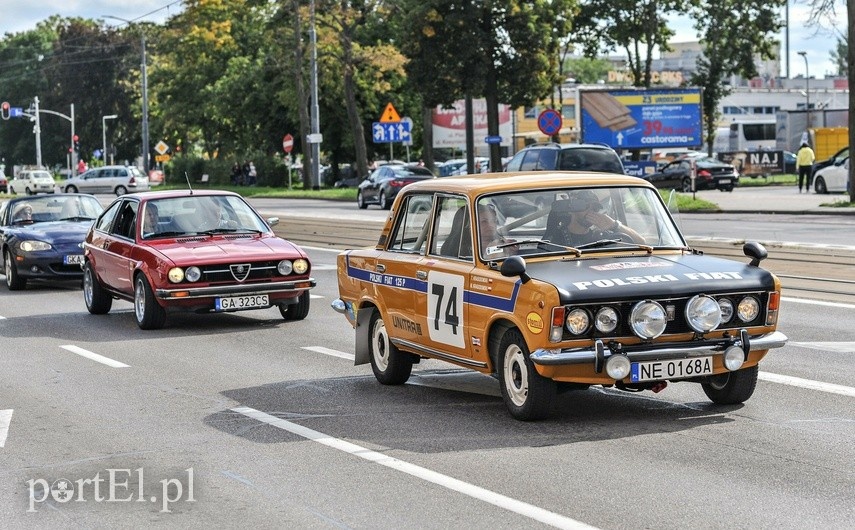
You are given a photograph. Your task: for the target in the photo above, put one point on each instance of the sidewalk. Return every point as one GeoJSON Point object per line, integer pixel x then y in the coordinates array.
{"type": "Point", "coordinates": [776, 199]}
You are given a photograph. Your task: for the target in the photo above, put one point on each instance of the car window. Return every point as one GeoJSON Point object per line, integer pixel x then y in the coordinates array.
{"type": "Point", "coordinates": [410, 233]}
{"type": "Point", "coordinates": [126, 221]}
{"type": "Point", "coordinates": [452, 233]}
{"type": "Point", "coordinates": [106, 220]}
{"type": "Point", "coordinates": [590, 159]}
{"type": "Point", "coordinates": [516, 162]}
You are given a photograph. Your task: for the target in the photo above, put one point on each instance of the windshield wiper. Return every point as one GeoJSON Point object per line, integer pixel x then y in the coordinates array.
{"type": "Point", "coordinates": [219, 231]}
{"type": "Point", "coordinates": [77, 218]}
{"type": "Point", "coordinates": [540, 242]}
{"type": "Point", "coordinates": [604, 242]}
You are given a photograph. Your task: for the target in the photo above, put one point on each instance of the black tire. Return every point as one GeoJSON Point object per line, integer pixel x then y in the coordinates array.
{"type": "Point", "coordinates": [297, 311]}
{"type": "Point", "coordinates": [121, 190]}
{"type": "Point", "coordinates": [385, 203]}
{"type": "Point", "coordinates": [13, 281]}
{"type": "Point", "coordinates": [98, 300]}
{"type": "Point", "coordinates": [687, 186]}
{"type": "Point", "coordinates": [71, 189]}
{"type": "Point", "coordinates": [360, 201]}
{"type": "Point", "coordinates": [733, 387]}
{"type": "Point", "coordinates": [148, 313]}
{"type": "Point", "coordinates": [28, 191]}
{"type": "Point", "coordinates": [390, 365]}
{"type": "Point", "coordinates": [727, 188]}
{"type": "Point", "coordinates": [527, 394]}
{"type": "Point", "coordinates": [819, 185]}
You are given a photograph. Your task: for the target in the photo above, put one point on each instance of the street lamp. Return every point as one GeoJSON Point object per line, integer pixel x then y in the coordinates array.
{"type": "Point", "coordinates": [104, 134]}
{"type": "Point", "coordinates": [144, 88]}
{"type": "Point", "coordinates": [807, 87]}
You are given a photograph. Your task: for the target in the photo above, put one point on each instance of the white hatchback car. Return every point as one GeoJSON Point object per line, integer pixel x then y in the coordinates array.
{"type": "Point", "coordinates": [833, 178]}
{"type": "Point", "coordinates": [32, 181]}
{"type": "Point", "coordinates": [108, 179]}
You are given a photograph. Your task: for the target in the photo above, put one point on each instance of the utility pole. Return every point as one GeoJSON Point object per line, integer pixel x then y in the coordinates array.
{"type": "Point", "coordinates": [315, 138]}
{"type": "Point", "coordinates": [38, 131]}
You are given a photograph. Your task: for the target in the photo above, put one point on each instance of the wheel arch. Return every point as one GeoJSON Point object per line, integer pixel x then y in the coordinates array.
{"type": "Point", "coordinates": [494, 338]}
{"type": "Point", "coordinates": [362, 346]}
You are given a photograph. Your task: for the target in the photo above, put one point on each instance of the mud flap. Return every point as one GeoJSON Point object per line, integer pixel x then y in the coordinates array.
{"type": "Point", "coordinates": [363, 337]}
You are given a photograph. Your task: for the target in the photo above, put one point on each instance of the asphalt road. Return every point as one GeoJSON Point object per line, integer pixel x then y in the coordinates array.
{"type": "Point", "coordinates": [266, 423]}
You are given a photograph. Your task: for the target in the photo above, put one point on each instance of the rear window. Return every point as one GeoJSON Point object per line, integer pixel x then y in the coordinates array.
{"type": "Point", "coordinates": [590, 159]}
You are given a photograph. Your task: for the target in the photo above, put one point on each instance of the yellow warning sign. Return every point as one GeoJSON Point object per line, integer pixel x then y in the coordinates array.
{"type": "Point", "coordinates": [389, 115]}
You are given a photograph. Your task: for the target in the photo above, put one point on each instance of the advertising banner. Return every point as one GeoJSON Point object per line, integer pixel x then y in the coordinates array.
{"type": "Point", "coordinates": [449, 124]}
{"type": "Point", "coordinates": [753, 163]}
{"type": "Point", "coordinates": [642, 119]}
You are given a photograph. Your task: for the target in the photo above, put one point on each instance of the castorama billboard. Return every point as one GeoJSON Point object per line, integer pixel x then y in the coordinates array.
{"type": "Point", "coordinates": [449, 125]}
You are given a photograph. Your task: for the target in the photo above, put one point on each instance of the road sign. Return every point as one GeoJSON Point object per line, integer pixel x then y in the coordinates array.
{"type": "Point", "coordinates": [16, 112]}
{"type": "Point", "coordinates": [409, 123]}
{"type": "Point", "coordinates": [288, 143]}
{"type": "Point", "coordinates": [390, 115]}
{"type": "Point", "coordinates": [161, 147]}
{"type": "Point", "coordinates": [549, 122]}
{"type": "Point", "coordinates": [384, 133]}
{"type": "Point", "coordinates": [162, 158]}
{"type": "Point", "coordinates": [493, 139]}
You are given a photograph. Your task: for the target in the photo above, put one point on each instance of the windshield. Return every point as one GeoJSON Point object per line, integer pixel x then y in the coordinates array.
{"type": "Point", "coordinates": [44, 209]}
{"type": "Point", "coordinates": [574, 220]}
{"type": "Point", "coordinates": [199, 214]}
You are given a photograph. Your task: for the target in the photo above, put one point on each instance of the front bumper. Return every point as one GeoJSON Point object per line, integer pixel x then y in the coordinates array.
{"type": "Point", "coordinates": [648, 352]}
{"type": "Point", "coordinates": [272, 288]}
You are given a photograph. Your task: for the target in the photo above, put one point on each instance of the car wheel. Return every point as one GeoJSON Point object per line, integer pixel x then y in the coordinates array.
{"type": "Point", "coordinates": [385, 203]}
{"type": "Point", "coordinates": [390, 365]}
{"type": "Point", "coordinates": [687, 186]}
{"type": "Point", "coordinates": [147, 311]}
{"type": "Point", "coordinates": [527, 394]}
{"type": "Point", "coordinates": [121, 190]}
{"type": "Point", "coordinates": [360, 201]}
{"type": "Point", "coordinates": [819, 186]}
{"type": "Point", "coordinates": [733, 387]}
{"type": "Point", "coordinates": [13, 281]}
{"type": "Point", "coordinates": [297, 311]}
{"type": "Point", "coordinates": [727, 188]}
{"type": "Point", "coordinates": [70, 189]}
{"type": "Point", "coordinates": [28, 191]}
{"type": "Point", "coordinates": [98, 300]}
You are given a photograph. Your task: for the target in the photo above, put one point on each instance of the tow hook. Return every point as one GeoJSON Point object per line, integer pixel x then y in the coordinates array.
{"type": "Point", "coordinates": [659, 387]}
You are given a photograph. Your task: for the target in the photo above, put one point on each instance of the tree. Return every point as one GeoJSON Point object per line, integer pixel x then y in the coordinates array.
{"type": "Point", "coordinates": [840, 56]}
{"type": "Point", "coordinates": [733, 33]}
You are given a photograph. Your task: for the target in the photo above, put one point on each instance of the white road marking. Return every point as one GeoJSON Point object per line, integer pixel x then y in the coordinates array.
{"type": "Point", "coordinates": [807, 383]}
{"type": "Point", "coordinates": [838, 347]}
{"type": "Point", "coordinates": [330, 267]}
{"type": "Point", "coordinates": [817, 302]}
{"type": "Point", "coordinates": [315, 296]}
{"type": "Point", "coordinates": [496, 499]}
{"type": "Point", "coordinates": [2, 318]}
{"type": "Point", "coordinates": [94, 356]}
{"type": "Point", "coordinates": [5, 421]}
{"type": "Point", "coordinates": [330, 352]}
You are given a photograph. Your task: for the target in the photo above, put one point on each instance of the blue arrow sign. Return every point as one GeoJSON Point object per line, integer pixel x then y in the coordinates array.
{"type": "Point", "coordinates": [389, 132]}
{"type": "Point", "coordinates": [493, 139]}
{"type": "Point", "coordinates": [16, 112]}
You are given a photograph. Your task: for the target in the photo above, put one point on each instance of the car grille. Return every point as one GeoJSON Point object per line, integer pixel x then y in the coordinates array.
{"type": "Point", "coordinates": [240, 272]}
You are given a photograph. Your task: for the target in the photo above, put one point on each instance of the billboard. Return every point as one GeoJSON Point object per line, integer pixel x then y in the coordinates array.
{"type": "Point", "coordinates": [449, 125]}
{"type": "Point", "coordinates": [642, 119]}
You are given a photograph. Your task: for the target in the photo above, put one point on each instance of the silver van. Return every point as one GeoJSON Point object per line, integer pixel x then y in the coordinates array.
{"type": "Point", "coordinates": [108, 179]}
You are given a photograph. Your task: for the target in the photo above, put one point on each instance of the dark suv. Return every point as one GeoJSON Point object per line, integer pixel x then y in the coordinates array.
{"type": "Point", "coordinates": [566, 157]}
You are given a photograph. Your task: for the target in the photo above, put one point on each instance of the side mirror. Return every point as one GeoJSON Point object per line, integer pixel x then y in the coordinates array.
{"type": "Point", "coordinates": [514, 266]}
{"type": "Point", "coordinates": [273, 221]}
{"type": "Point", "coordinates": [755, 251]}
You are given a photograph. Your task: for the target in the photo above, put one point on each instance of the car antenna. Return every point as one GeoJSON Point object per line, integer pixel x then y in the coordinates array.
{"type": "Point", "coordinates": [187, 177]}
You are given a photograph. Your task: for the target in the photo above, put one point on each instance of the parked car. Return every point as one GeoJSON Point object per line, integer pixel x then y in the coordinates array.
{"type": "Point", "coordinates": [463, 271]}
{"type": "Point", "coordinates": [32, 181]}
{"type": "Point", "coordinates": [4, 183]}
{"type": "Point", "coordinates": [712, 174]}
{"type": "Point", "coordinates": [566, 157]}
{"type": "Point", "coordinates": [197, 251]}
{"type": "Point", "coordinates": [790, 163]}
{"type": "Point", "coordinates": [109, 179]}
{"type": "Point", "coordinates": [834, 160]}
{"type": "Point", "coordinates": [833, 178]}
{"type": "Point", "coordinates": [349, 182]}
{"type": "Point", "coordinates": [451, 167]}
{"type": "Point", "coordinates": [384, 183]}
{"type": "Point", "coordinates": [41, 237]}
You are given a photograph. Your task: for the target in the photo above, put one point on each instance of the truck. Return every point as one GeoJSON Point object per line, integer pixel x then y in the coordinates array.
{"type": "Point", "coordinates": [828, 140]}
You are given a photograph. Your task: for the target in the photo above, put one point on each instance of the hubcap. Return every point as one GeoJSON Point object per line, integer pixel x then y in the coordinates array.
{"type": "Point", "coordinates": [516, 375]}
{"type": "Point", "coordinates": [87, 287]}
{"type": "Point", "coordinates": [139, 300]}
{"type": "Point", "coordinates": [380, 345]}
{"type": "Point", "coordinates": [8, 267]}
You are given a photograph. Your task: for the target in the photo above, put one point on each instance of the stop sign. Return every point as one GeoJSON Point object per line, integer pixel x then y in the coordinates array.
{"type": "Point", "coordinates": [288, 143]}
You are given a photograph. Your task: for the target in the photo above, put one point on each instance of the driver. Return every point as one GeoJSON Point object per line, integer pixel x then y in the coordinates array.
{"type": "Point", "coordinates": [588, 223]}
{"type": "Point", "coordinates": [23, 214]}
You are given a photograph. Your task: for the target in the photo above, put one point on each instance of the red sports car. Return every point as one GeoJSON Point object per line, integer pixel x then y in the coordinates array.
{"type": "Point", "coordinates": [198, 251]}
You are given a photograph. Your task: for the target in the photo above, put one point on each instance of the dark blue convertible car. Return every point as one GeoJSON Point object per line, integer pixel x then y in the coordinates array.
{"type": "Point", "coordinates": [41, 237]}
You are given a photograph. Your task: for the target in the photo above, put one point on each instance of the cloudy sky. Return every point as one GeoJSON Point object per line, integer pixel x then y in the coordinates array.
{"type": "Point", "coordinates": [23, 15]}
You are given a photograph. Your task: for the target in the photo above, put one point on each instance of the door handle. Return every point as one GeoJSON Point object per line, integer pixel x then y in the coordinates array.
{"type": "Point", "coordinates": [421, 275]}
{"type": "Point", "coordinates": [380, 267]}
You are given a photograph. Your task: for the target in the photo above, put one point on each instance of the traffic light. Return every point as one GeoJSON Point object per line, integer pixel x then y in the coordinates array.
{"type": "Point", "coordinates": [4, 110]}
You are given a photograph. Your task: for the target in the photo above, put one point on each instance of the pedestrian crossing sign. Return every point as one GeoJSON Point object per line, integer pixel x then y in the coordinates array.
{"type": "Point", "coordinates": [389, 115]}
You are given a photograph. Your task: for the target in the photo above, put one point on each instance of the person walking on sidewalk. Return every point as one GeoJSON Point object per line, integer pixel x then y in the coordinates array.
{"type": "Point", "coordinates": [804, 162]}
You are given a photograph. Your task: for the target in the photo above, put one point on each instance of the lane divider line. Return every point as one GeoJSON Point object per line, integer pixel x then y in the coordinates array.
{"type": "Point", "coordinates": [807, 383]}
{"type": "Point", "coordinates": [330, 352]}
{"type": "Point", "coordinates": [5, 421]}
{"type": "Point", "coordinates": [817, 302]}
{"type": "Point", "coordinates": [491, 497]}
{"type": "Point", "coordinates": [94, 356]}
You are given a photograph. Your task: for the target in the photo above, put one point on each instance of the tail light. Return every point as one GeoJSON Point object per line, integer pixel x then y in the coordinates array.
{"type": "Point", "coordinates": [132, 181]}
{"type": "Point", "coordinates": [706, 175]}
{"type": "Point", "coordinates": [397, 183]}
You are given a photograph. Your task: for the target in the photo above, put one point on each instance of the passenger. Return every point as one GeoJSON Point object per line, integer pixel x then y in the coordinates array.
{"type": "Point", "coordinates": [488, 233]}
{"type": "Point", "coordinates": [588, 223]}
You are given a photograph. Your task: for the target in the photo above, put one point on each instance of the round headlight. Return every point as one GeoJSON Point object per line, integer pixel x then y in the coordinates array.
{"type": "Point", "coordinates": [606, 320]}
{"type": "Point", "coordinates": [648, 319]}
{"type": "Point", "coordinates": [733, 358]}
{"type": "Point", "coordinates": [618, 366]}
{"type": "Point", "coordinates": [748, 309]}
{"type": "Point", "coordinates": [176, 275]}
{"type": "Point", "coordinates": [726, 308]}
{"type": "Point", "coordinates": [703, 313]}
{"type": "Point", "coordinates": [30, 246]}
{"type": "Point", "coordinates": [301, 266]}
{"type": "Point", "coordinates": [193, 274]}
{"type": "Point", "coordinates": [577, 321]}
{"type": "Point", "coordinates": [284, 267]}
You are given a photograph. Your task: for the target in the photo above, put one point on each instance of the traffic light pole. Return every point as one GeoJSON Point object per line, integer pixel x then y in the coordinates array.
{"type": "Point", "coordinates": [35, 116]}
